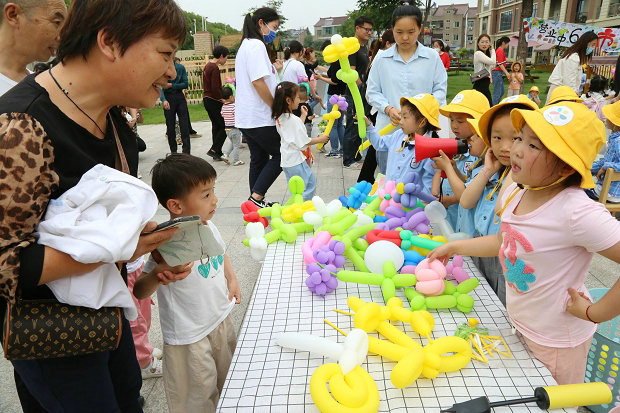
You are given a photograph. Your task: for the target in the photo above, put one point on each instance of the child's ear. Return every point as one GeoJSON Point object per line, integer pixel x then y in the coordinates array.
{"type": "Point", "coordinates": [175, 206]}
{"type": "Point", "coordinates": [567, 170]}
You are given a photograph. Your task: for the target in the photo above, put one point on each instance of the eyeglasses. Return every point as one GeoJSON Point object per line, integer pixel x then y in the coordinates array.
{"type": "Point", "coordinates": [368, 29]}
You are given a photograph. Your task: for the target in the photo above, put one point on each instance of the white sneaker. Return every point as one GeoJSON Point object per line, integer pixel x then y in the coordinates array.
{"type": "Point", "coordinates": [154, 369]}
{"type": "Point", "coordinates": [157, 353]}
{"type": "Point", "coordinates": [225, 159]}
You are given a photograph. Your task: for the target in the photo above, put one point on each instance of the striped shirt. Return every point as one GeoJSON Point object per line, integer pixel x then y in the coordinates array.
{"type": "Point", "coordinates": [228, 113]}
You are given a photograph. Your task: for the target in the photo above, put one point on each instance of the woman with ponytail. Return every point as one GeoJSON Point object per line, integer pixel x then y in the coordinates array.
{"type": "Point", "coordinates": [256, 84]}
{"type": "Point", "coordinates": [293, 68]}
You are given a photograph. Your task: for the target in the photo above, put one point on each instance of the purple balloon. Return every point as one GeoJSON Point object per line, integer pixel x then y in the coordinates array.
{"type": "Point", "coordinates": [310, 284]}
{"type": "Point", "coordinates": [457, 260]}
{"type": "Point", "coordinates": [338, 247]}
{"type": "Point", "coordinates": [313, 267]}
{"type": "Point", "coordinates": [449, 268]}
{"type": "Point", "coordinates": [321, 289]}
{"type": "Point", "coordinates": [333, 99]}
{"type": "Point", "coordinates": [332, 283]}
{"type": "Point", "coordinates": [325, 275]}
{"type": "Point", "coordinates": [331, 267]}
{"type": "Point", "coordinates": [316, 278]}
{"type": "Point", "coordinates": [460, 274]}
{"type": "Point", "coordinates": [338, 261]}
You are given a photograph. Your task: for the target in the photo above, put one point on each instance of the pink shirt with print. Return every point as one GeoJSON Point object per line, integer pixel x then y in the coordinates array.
{"type": "Point", "coordinates": [545, 252]}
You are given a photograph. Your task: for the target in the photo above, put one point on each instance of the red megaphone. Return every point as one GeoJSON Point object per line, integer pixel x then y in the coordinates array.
{"type": "Point", "coordinates": [430, 147]}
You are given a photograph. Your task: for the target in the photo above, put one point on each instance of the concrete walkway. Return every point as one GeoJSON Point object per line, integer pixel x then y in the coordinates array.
{"type": "Point", "coordinates": [232, 189]}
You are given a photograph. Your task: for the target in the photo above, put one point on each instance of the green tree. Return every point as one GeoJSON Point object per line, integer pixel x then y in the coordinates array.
{"type": "Point", "coordinates": [216, 29]}
{"type": "Point", "coordinates": [347, 29]}
{"type": "Point", "coordinates": [308, 40]}
{"type": "Point", "coordinates": [276, 5]}
{"type": "Point", "coordinates": [379, 11]}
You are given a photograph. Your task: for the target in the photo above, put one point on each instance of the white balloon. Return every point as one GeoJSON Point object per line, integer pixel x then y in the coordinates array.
{"type": "Point", "coordinates": [254, 230]}
{"type": "Point", "coordinates": [362, 219]}
{"type": "Point", "coordinates": [381, 251]}
{"type": "Point", "coordinates": [336, 39]}
{"type": "Point", "coordinates": [319, 204]}
{"type": "Point", "coordinates": [333, 207]}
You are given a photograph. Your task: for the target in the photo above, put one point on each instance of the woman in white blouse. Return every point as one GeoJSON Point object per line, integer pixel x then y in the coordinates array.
{"type": "Point", "coordinates": [293, 68]}
{"type": "Point", "coordinates": [569, 70]}
{"type": "Point", "coordinates": [484, 58]}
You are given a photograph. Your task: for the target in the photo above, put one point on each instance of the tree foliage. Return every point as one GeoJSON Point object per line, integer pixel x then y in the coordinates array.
{"type": "Point", "coordinates": [274, 4]}
{"type": "Point", "coordinates": [380, 11]}
{"type": "Point", "coordinates": [216, 29]}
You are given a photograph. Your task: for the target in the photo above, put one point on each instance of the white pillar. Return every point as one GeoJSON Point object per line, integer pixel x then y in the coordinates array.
{"type": "Point", "coordinates": [604, 11]}
{"type": "Point", "coordinates": [547, 9]}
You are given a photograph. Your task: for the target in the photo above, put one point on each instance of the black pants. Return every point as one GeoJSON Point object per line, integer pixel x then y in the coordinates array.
{"type": "Point", "coordinates": [367, 173]}
{"type": "Point", "coordinates": [178, 107]}
{"type": "Point", "coordinates": [218, 129]}
{"type": "Point", "coordinates": [103, 382]}
{"type": "Point", "coordinates": [351, 141]}
{"type": "Point", "coordinates": [264, 146]}
{"type": "Point", "coordinates": [482, 86]}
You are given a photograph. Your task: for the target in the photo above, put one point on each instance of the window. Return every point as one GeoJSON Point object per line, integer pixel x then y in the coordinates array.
{"type": "Point", "coordinates": [318, 32]}
{"type": "Point", "coordinates": [470, 38]}
{"type": "Point", "coordinates": [455, 37]}
{"type": "Point", "coordinates": [329, 22]}
{"type": "Point", "coordinates": [470, 25]}
{"type": "Point", "coordinates": [457, 24]}
{"type": "Point", "coordinates": [504, 1]}
{"type": "Point", "coordinates": [327, 31]}
{"type": "Point", "coordinates": [447, 22]}
{"type": "Point", "coordinates": [485, 23]}
{"type": "Point", "coordinates": [505, 21]}
{"type": "Point", "coordinates": [535, 10]}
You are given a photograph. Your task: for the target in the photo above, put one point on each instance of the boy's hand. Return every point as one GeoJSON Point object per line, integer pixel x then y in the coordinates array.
{"type": "Point", "coordinates": [600, 173]}
{"type": "Point", "coordinates": [323, 138]}
{"type": "Point", "coordinates": [304, 110]}
{"type": "Point", "coordinates": [577, 304]}
{"type": "Point", "coordinates": [167, 274]}
{"type": "Point", "coordinates": [234, 290]}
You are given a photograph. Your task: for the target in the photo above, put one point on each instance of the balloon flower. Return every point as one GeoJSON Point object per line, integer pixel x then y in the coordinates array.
{"type": "Point", "coordinates": [351, 388]}
{"type": "Point", "coordinates": [340, 49]}
{"type": "Point", "coordinates": [411, 190]}
{"type": "Point", "coordinates": [339, 103]}
{"type": "Point", "coordinates": [322, 273]}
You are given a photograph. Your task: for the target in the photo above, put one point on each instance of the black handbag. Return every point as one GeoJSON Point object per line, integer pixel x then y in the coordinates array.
{"type": "Point", "coordinates": [479, 75]}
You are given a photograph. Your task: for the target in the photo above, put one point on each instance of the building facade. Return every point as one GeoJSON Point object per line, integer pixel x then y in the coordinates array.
{"type": "Point", "coordinates": [454, 24]}
{"type": "Point", "coordinates": [326, 27]}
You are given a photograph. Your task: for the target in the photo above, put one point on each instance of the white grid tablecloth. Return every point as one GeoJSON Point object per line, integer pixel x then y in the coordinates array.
{"type": "Point", "coordinates": [264, 377]}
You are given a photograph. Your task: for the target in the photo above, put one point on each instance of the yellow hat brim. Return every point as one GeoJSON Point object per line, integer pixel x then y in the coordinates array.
{"type": "Point", "coordinates": [485, 119]}
{"type": "Point", "coordinates": [552, 140]}
{"type": "Point", "coordinates": [433, 120]}
{"type": "Point", "coordinates": [458, 108]}
{"type": "Point", "coordinates": [474, 125]}
{"type": "Point", "coordinates": [610, 115]}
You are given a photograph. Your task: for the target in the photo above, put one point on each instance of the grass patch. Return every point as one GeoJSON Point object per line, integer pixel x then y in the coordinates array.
{"type": "Point", "coordinates": [155, 115]}
{"type": "Point", "coordinates": [460, 81]}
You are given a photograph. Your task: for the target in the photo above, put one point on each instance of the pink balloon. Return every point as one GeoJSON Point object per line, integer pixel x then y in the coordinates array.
{"type": "Point", "coordinates": [457, 260]}
{"type": "Point", "coordinates": [425, 274]}
{"type": "Point", "coordinates": [408, 269]}
{"type": "Point", "coordinates": [449, 268]}
{"type": "Point", "coordinates": [430, 288]}
{"type": "Point", "coordinates": [460, 274]}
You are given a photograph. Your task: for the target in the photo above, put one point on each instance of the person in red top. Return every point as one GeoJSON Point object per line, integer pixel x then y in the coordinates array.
{"type": "Point", "coordinates": [443, 55]}
{"type": "Point", "coordinates": [496, 74]}
{"type": "Point", "coordinates": [212, 85]}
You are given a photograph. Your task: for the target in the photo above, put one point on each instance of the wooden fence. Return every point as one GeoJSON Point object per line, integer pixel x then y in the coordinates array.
{"type": "Point", "coordinates": [194, 91]}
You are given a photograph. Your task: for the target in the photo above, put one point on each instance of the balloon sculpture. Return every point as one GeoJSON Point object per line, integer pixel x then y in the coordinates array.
{"type": "Point", "coordinates": [340, 49]}
{"type": "Point", "coordinates": [352, 388]}
{"type": "Point", "coordinates": [231, 82]}
{"type": "Point", "coordinates": [339, 104]}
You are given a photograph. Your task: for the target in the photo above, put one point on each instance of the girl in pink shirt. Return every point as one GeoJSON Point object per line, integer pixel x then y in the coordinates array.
{"type": "Point", "coordinates": [549, 232]}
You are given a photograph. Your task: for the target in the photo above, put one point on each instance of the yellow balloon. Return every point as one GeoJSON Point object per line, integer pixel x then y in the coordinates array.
{"type": "Point", "coordinates": [356, 392]}
{"type": "Point", "coordinates": [451, 344]}
{"type": "Point", "coordinates": [408, 369]}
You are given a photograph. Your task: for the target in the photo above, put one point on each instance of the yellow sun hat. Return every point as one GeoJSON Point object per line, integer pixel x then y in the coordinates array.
{"type": "Point", "coordinates": [428, 106]}
{"type": "Point", "coordinates": [485, 119]}
{"type": "Point", "coordinates": [562, 94]}
{"type": "Point", "coordinates": [612, 113]}
{"type": "Point", "coordinates": [474, 125]}
{"type": "Point", "coordinates": [534, 89]}
{"type": "Point", "coordinates": [470, 102]}
{"type": "Point", "coordinates": [570, 130]}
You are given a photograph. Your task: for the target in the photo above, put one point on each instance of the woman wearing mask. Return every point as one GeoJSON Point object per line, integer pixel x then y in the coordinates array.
{"type": "Point", "coordinates": [569, 69]}
{"type": "Point", "coordinates": [441, 50]}
{"type": "Point", "coordinates": [256, 85]}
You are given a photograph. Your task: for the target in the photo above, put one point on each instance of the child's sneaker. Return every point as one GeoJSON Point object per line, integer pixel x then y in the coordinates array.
{"type": "Point", "coordinates": [157, 353]}
{"type": "Point", "coordinates": [261, 204]}
{"type": "Point", "coordinates": [238, 163]}
{"type": "Point", "coordinates": [154, 369]}
{"type": "Point", "coordinates": [225, 159]}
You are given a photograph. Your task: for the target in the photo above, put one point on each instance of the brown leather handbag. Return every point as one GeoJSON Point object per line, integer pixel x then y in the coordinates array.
{"type": "Point", "coordinates": [40, 329]}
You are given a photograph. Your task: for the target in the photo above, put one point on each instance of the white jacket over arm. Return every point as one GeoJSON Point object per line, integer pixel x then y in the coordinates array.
{"type": "Point", "coordinates": [568, 72]}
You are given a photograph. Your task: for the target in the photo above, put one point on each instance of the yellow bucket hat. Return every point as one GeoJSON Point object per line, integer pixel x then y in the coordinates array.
{"type": "Point", "coordinates": [612, 113]}
{"type": "Point", "coordinates": [427, 105]}
{"type": "Point", "coordinates": [485, 119]}
{"type": "Point", "coordinates": [563, 93]}
{"type": "Point", "coordinates": [534, 89]}
{"type": "Point", "coordinates": [474, 125]}
{"type": "Point", "coordinates": [470, 102]}
{"type": "Point", "coordinates": [570, 130]}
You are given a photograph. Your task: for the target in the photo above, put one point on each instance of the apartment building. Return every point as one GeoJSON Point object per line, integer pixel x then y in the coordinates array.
{"type": "Point", "coordinates": [454, 24]}
{"type": "Point", "coordinates": [328, 26]}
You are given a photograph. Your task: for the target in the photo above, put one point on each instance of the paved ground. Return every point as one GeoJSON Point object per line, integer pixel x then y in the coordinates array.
{"type": "Point", "coordinates": [232, 190]}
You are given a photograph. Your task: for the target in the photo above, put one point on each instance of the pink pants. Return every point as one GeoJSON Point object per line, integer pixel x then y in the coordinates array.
{"type": "Point", "coordinates": [140, 328]}
{"type": "Point", "coordinates": [567, 365]}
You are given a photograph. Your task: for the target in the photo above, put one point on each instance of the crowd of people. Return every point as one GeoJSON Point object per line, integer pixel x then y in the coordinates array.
{"type": "Point", "coordinates": [525, 191]}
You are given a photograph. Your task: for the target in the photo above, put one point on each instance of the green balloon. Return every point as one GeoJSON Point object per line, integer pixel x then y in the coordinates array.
{"type": "Point", "coordinates": [404, 280]}
{"type": "Point", "coordinates": [465, 303]}
{"type": "Point", "coordinates": [360, 244]}
{"type": "Point", "coordinates": [468, 285]}
{"type": "Point", "coordinates": [450, 288]}
{"type": "Point", "coordinates": [441, 301]}
{"type": "Point", "coordinates": [360, 277]}
{"type": "Point", "coordinates": [388, 289]}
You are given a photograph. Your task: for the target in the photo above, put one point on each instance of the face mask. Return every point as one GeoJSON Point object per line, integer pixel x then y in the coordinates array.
{"type": "Point", "coordinates": [269, 37]}
{"type": "Point", "coordinates": [437, 49]}
{"type": "Point", "coordinates": [589, 50]}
